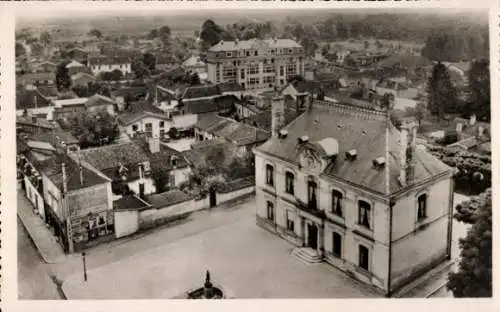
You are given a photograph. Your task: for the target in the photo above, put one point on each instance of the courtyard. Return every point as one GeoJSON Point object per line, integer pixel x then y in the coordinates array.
{"type": "Point", "coordinates": [245, 260]}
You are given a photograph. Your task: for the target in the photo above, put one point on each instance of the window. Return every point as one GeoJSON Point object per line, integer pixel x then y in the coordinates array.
{"type": "Point", "coordinates": [242, 74]}
{"type": "Point", "coordinates": [363, 257]}
{"type": "Point", "coordinates": [256, 53]}
{"type": "Point", "coordinates": [290, 224]}
{"type": "Point", "coordinates": [149, 130]}
{"type": "Point", "coordinates": [134, 127]}
{"type": "Point", "coordinates": [162, 124]}
{"type": "Point", "coordinates": [248, 53]}
{"type": "Point", "coordinates": [337, 203]}
{"type": "Point", "coordinates": [269, 68]}
{"type": "Point", "coordinates": [253, 69]}
{"type": "Point", "coordinates": [253, 81]}
{"type": "Point", "coordinates": [269, 79]}
{"type": "Point", "coordinates": [364, 213]}
{"type": "Point", "coordinates": [269, 175]}
{"type": "Point", "coordinates": [337, 245]}
{"type": "Point", "coordinates": [422, 207]}
{"type": "Point", "coordinates": [289, 179]}
{"type": "Point", "coordinates": [162, 133]}
{"type": "Point", "coordinates": [311, 194]}
{"type": "Point", "coordinates": [282, 70]}
{"type": "Point", "coordinates": [229, 54]}
{"type": "Point", "coordinates": [229, 73]}
{"type": "Point", "coordinates": [270, 211]}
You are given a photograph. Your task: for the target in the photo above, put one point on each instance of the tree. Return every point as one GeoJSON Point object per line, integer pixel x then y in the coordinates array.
{"type": "Point", "coordinates": [149, 61]}
{"type": "Point", "coordinates": [96, 33]}
{"type": "Point", "coordinates": [63, 81]}
{"type": "Point", "coordinates": [442, 96]}
{"type": "Point", "coordinates": [194, 79]}
{"type": "Point", "coordinates": [116, 75]}
{"type": "Point", "coordinates": [210, 34]}
{"type": "Point", "coordinates": [173, 133]}
{"type": "Point", "coordinates": [479, 90]}
{"type": "Point", "coordinates": [94, 129]}
{"type": "Point", "coordinates": [215, 157]}
{"type": "Point", "coordinates": [153, 33]}
{"type": "Point", "coordinates": [20, 50]}
{"type": "Point", "coordinates": [420, 112]}
{"type": "Point", "coordinates": [161, 179]}
{"type": "Point", "coordinates": [473, 278]}
{"type": "Point", "coordinates": [139, 69]}
{"type": "Point", "coordinates": [36, 49]}
{"type": "Point", "coordinates": [164, 34]}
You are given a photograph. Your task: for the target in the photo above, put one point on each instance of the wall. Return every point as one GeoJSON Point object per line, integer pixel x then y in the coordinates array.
{"type": "Point", "coordinates": [181, 175]}
{"type": "Point", "coordinates": [225, 197]}
{"type": "Point", "coordinates": [402, 103]}
{"type": "Point", "coordinates": [34, 197]}
{"type": "Point", "coordinates": [418, 243]}
{"type": "Point", "coordinates": [152, 217]}
{"type": "Point", "coordinates": [124, 68]}
{"type": "Point", "coordinates": [126, 222]}
{"type": "Point", "coordinates": [90, 200]}
{"type": "Point", "coordinates": [141, 126]}
{"type": "Point", "coordinates": [184, 121]}
{"type": "Point", "coordinates": [52, 196]}
{"type": "Point", "coordinates": [47, 110]}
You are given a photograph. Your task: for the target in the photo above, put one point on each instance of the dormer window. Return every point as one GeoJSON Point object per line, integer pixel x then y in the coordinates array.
{"type": "Point", "coordinates": [351, 155]}
{"type": "Point", "coordinates": [379, 162]}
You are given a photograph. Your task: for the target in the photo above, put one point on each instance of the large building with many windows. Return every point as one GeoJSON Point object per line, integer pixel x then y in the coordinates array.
{"type": "Point", "coordinates": [255, 64]}
{"type": "Point", "coordinates": [346, 187]}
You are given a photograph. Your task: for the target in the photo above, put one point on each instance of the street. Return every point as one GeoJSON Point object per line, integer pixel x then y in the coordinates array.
{"type": "Point", "coordinates": [34, 281]}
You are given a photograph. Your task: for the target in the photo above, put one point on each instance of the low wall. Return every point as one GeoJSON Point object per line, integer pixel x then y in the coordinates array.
{"type": "Point", "coordinates": [153, 217]}
{"type": "Point", "coordinates": [126, 222]}
{"type": "Point", "coordinates": [223, 198]}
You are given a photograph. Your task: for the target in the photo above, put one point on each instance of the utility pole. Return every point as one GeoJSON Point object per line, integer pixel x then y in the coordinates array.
{"type": "Point", "coordinates": [84, 267]}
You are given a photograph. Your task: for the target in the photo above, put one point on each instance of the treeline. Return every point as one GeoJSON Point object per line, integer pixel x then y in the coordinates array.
{"type": "Point", "coordinates": [446, 38]}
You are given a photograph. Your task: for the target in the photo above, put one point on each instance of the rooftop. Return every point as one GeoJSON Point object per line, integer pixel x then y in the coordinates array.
{"type": "Point", "coordinates": [353, 128]}
{"type": "Point", "coordinates": [30, 99]}
{"type": "Point", "coordinates": [70, 102]}
{"type": "Point", "coordinates": [113, 155]}
{"type": "Point", "coordinates": [74, 64]}
{"type": "Point", "coordinates": [203, 91]}
{"type": "Point", "coordinates": [164, 158]}
{"type": "Point", "coordinates": [98, 100]}
{"type": "Point", "coordinates": [129, 202]}
{"type": "Point", "coordinates": [108, 60]}
{"type": "Point", "coordinates": [254, 44]}
{"type": "Point", "coordinates": [33, 77]}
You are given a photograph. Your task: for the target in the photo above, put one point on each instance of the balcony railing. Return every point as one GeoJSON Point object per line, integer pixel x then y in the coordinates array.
{"type": "Point", "coordinates": [310, 207]}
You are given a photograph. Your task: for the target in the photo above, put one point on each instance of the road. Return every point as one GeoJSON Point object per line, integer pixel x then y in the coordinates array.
{"type": "Point", "coordinates": [34, 281]}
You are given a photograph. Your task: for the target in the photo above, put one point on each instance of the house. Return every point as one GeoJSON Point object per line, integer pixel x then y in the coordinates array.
{"type": "Point", "coordinates": [49, 92]}
{"type": "Point", "coordinates": [144, 118]}
{"type": "Point", "coordinates": [231, 88]}
{"type": "Point", "coordinates": [102, 64]}
{"type": "Point", "coordinates": [122, 163]}
{"type": "Point", "coordinates": [163, 157]}
{"type": "Point", "coordinates": [82, 79]}
{"type": "Point", "coordinates": [194, 64]}
{"type": "Point", "coordinates": [34, 103]}
{"type": "Point", "coordinates": [77, 195]}
{"type": "Point", "coordinates": [32, 124]}
{"type": "Point", "coordinates": [59, 140]}
{"type": "Point", "coordinates": [244, 136]}
{"type": "Point", "coordinates": [200, 92]}
{"type": "Point", "coordinates": [75, 67]}
{"type": "Point", "coordinates": [33, 80]}
{"type": "Point", "coordinates": [78, 54]}
{"type": "Point", "coordinates": [44, 67]}
{"type": "Point", "coordinates": [99, 102]}
{"type": "Point", "coordinates": [197, 155]}
{"type": "Point", "coordinates": [246, 109]}
{"type": "Point", "coordinates": [263, 119]}
{"type": "Point", "coordinates": [136, 93]}
{"type": "Point", "coordinates": [330, 185]}
{"type": "Point", "coordinates": [68, 107]}
{"type": "Point", "coordinates": [470, 132]}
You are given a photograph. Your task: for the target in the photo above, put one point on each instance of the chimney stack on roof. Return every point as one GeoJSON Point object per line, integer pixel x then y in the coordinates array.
{"type": "Point", "coordinates": [408, 139]}
{"type": "Point", "coordinates": [277, 114]}
{"type": "Point", "coordinates": [154, 145]}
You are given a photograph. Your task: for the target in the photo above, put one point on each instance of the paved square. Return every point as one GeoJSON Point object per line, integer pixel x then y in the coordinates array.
{"type": "Point", "coordinates": [242, 258]}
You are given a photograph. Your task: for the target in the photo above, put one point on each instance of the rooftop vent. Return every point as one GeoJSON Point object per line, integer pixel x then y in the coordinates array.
{"type": "Point", "coordinates": [364, 132]}
{"type": "Point", "coordinates": [283, 133]}
{"type": "Point", "coordinates": [379, 162]}
{"type": "Point", "coordinates": [351, 154]}
{"type": "Point", "coordinates": [303, 139]}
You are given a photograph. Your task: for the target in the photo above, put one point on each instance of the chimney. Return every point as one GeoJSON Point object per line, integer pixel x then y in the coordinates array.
{"type": "Point", "coordinates": [141, 182]}
{"type": "Point", "coordinates": [277, 114]}
{"type": "Point", "coordinates": [154, 145]}
{"type": "Point", "coordinates": [408, 138]}
{"type": "Point", "coordinates": [64, 178]}
{"type": "Point", "coordinates": [472, 120]}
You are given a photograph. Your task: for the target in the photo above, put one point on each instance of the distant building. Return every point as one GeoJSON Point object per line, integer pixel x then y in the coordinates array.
{"type": "Point", "coordinates": [99, 102]}
{"type": "Point", "coordinates": [82, 79]}
{"type": "Point", "coordinates": [32, 102]}
{"type": "Point", "coordinates": [255, 64]}
{"type": "Point", "coordinates": [145, 119]}
{"type": "Point", "coordinates": [68, 107]}
{"type": "Point", "coordinates": [330, 185]}
{"type": "Point", "coordinates": [34, 80]}
{"type": "Point", "coordinates": [108, 64]}
{"type": "Point", "coordinates": [75, 67]}
{"type": "Point", "coordinates": [195, 64]}
{"type": "Point", "coordinates": [45, 67]}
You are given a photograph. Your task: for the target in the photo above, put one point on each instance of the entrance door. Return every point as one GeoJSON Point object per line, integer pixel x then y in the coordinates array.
{"type": "Point", "coordinates": [312, 240]}
{"type": "Point", "coordinates": [213, 197]}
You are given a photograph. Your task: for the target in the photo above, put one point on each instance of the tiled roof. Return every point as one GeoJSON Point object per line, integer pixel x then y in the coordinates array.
{"type": "Point", "coordinates": [48, 91]}
{"type": "Point", "coordinates": [254, 43]}
{"type": "Point", "coordinates": [200, 92]}
{"type": "Point", "coordinates": [353, 128]}
{"type": "Point", "coordinates": [32, 77]}
{"type": "Point", "coordinates": [230, 87]}
{"type": "Point", "coordinates": [111, 156]}
{"type": "Point", "coordinates": [70, 102]}
{"type": "Point", "coordinates": [468, 129]}
{"type": "Point", "coordinates": [231, 130]}
{"type": "Point", "coordinates": [52, 137]}
{"type": "Point", "coordinates": [74, 64]}
{"type": "Point", "coordinates": [30, 99]}
{"type": "Point", "coordinates": [40, 145]}
{"type": "Point", "coordinates": [193, 60]}
{"type": "Point", "coordinates": [139, 110]}
{"type": "Point", "coordinates": [164, 157]}
{"type": "Point", "coordinates": [168, 198]}
{"type": "Point", "coordinates": [263, 120]}
{"type": "Point", "coordinates": [53, 169]}
{"type": "Point", "coordinates": [129, 202]}
{"type": "Point", "coordinates": [30, 121]}
{"type": "Point", "coordinates": [98, 100]}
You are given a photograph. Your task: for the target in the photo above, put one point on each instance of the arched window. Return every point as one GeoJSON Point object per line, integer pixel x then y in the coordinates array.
{"type": "Point", "coordinates": [422, 207]}
{"type": "Point", "coordinates": [364, 213]}
{"type": "Point", "coordinates": [312, 194]}
{"type": "Point", "coordinates": [289, 183]}
{"type": "Point", "coordinates": [269, 175]}
{"type": "Point", "coordinates": [337, 202]}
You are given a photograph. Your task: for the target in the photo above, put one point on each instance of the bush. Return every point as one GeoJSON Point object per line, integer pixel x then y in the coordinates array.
{"type": "Point", "coordinates": [449, 138]}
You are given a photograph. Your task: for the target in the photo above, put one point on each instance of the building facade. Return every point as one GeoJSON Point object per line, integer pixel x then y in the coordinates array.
{"type": "Point", "coordinates": [255, 64]}
{"type": "Point", "coordinates": [108, 64]}
{"type": "Point", "coordinates": [333, 184]}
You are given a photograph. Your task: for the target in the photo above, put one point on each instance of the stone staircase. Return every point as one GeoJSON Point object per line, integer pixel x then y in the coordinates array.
{"type": "Point", "coordinates": [307, 255]}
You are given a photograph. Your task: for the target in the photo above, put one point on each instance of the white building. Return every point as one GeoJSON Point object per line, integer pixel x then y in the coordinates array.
{"type": "Point", "coordinates": [255, 64]}
{"type": "Point", "coordinates": [330, 185]}
{"type": "Point", "coordinates": [108, 64]}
